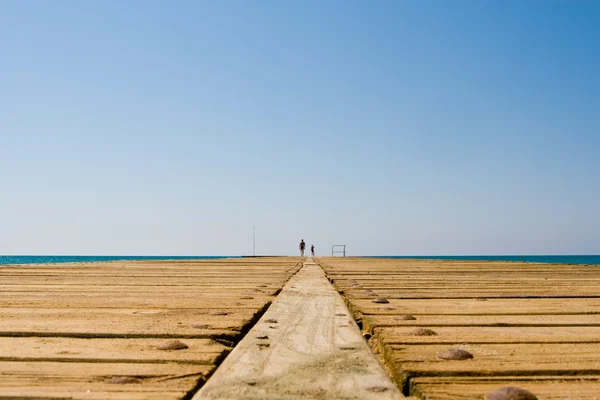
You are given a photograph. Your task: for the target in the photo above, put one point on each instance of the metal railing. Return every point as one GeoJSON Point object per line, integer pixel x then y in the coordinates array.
{"type": "Point", "coordinates": [335, 251]}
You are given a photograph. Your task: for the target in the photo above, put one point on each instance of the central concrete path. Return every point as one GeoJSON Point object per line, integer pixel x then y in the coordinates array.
{"type": "Point", "coordinates": [306, 346]}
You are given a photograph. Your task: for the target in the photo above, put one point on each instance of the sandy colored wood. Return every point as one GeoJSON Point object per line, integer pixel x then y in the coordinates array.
{"type": "Point", "coordinates": [105, 322]}
{"type": "Point", "coordinates": [372, 321]}
{"type": "Point", "coordinates": [157, 299]}
{"type": "Point", "coordinates": [521, 320]}
{"type": "Point", "coordinates": [66, 330]}
{"type": "Point", "coordinates": [306, 346]}
{"type": "Point", "coordinates": [202, 290]}
{"type": "Point", "coordinates": [81, 380]}
{"type": "Point", "coordinates": [477, 306]}
{"type": "Point", "coordinates": [457, 388]}
{"type": "Point", "coordinates": [458, 292]}
{"type": "Point", "coordinates": [490, 359]}
{"type": "Point", "coordinates": [201, 281]}
{"type": "Point", "coordinates": [200, 351]}
{"type": "Point", "coordinates": [476, 334]}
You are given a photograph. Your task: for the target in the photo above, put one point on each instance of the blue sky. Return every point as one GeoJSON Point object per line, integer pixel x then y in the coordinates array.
{"type": "Point", "coordinates": [395, 127]}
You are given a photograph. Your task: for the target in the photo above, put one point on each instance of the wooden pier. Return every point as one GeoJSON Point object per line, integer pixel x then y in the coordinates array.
{"type": "Point", "coordinates": [306, 346]}
{"type": "Point", "coordinates": [111, 330]}
{"type": "Point", "coordinates": [531, 326]}
{"type": "Point", "coordinates": [277, 328]}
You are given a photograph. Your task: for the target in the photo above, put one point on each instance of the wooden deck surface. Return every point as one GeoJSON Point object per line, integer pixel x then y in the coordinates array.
{"type": "Point", "coordinates": [533, 326]}
{"type": "Point", "coordinates": [306, 346]}
{"type": "Point", "coordinates": [93, 330]}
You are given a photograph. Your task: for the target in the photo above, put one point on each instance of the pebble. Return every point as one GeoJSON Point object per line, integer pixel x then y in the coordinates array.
{"type": "Point", "coordinates": [381, 300]}
{"type": "Point", "coordinates": [422, 332]}
{"type": "Point", "coordinates": [123, 380]}
{"type": "Point", "coordinates": [172, 345]}
{"type": "Point", "coordinates": [406, 318]}
{"type": "Point", "coordinates": [377, 389]}
{"type": "Point", "coordinates": [455, 354]}
{"type": "Point", "coordinates": [262, 337]}
{"type": "Point", "coordinates": [510, 393]}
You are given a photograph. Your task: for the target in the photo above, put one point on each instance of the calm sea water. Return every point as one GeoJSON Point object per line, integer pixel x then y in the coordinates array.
{"type": "Point", "coordinates": [62, 259]}
{"type": "Point", "coordinates": [587, 259]}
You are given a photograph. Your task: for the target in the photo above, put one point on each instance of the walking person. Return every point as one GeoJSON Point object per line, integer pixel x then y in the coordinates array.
{"type": "Point", "coordinates": [302, 246]}
{"type": "Point", "coordinates": [312, 249]}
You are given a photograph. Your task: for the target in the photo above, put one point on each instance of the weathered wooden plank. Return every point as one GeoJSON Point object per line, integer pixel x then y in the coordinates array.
{"type": "Point", "coordinates": [403, 335]}
{"type": "Point", "coordinates": [426, 282]}
{"type": "Point", "coordinates": [478, 307]}
{"type": "Point", "coordinates": [498, 359]}
{"type": "Point", "coordinates": [158, 299]}
{"type": "Point", "coordinates": [165, 268]}
{"type": "Point", "coordinates": [124, 312]}
{"type": "Point", "coordinates": [305, 346]}
{"type": "Point", "coordinates": [151, 322]}
{"type": "Point", "coordinates": [465, 295]}
{"type": "Point", "coordinates": [545, 388]}
{"type": "Point", "coordinates": [372, 321]}
{"type": "Point", "coordinates": [223, 289]}
{"type": "Point", "coordinates": [181, 279]}
{"type": "Point", "coordinates": [489, 309]}
{"type": "Point", "coordinates": [199, 351]}
{"type": "Point", "coordinates": [85, 380]}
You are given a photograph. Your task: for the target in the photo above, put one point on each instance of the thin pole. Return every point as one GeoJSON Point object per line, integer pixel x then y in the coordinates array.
{"type": "Point", "coordinates": [254, 242]}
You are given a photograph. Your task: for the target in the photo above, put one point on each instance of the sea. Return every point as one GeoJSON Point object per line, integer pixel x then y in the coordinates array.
{"type": "Point", "coordinates": [4, 260]}
{"type": "Point", "coordinates": [561, 259]}
{"type": "Point", "coordinates": [554, 259]}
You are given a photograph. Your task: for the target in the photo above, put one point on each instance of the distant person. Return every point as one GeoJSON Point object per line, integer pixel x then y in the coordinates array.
{"type": "Point", "coordinates": [302, 246]}
{"type": "Point", "coordinates": [312, 249]}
